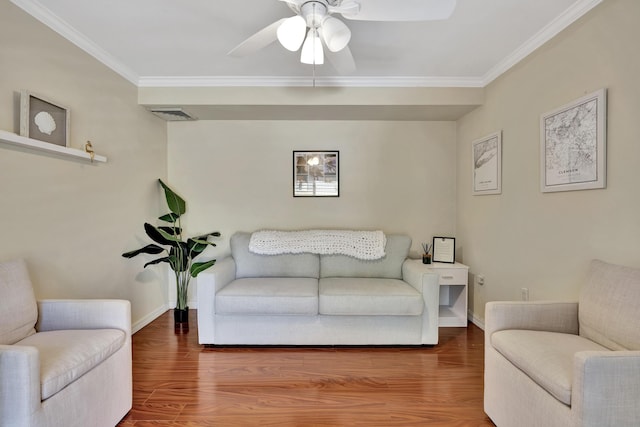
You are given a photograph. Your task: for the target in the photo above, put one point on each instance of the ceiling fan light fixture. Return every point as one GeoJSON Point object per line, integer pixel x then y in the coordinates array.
{"type": "Point", "coordinates": [291, 33]}
{"type": "Point", "coordinates": [312, 52]}
{"type": "Point", "coordinates": [335, 33]}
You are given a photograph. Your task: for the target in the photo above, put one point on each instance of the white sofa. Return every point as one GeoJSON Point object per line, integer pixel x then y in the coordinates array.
{"type": "Point", "coordinates": [567, 364]}
{"type": "Point", "coordinates": [62, 362]}
{"type": "Point", "coordinates": [309, 299]}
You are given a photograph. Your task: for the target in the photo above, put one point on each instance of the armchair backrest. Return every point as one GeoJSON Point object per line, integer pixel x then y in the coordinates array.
{"type": "Point", "coordinates": [18, 307]}
{"type": "Point", "coordinates": [609, 309]}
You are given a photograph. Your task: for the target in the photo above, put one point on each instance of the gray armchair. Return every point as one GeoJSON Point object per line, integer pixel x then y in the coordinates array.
{"type": "Point", "coordinates": [567, 364]}
{"type": "Point", "coordinates": [62, 362]}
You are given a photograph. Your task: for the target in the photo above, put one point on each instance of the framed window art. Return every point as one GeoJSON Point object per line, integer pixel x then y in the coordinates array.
{"type": "Point", "coordinates": [316, 173]}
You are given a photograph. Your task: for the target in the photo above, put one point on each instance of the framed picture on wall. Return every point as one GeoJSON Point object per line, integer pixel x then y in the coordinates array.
{"type": "Point", "coordinates": [43, 120]}
{"type": "Point", "coordinates": [573, 145]}
{"type": "Point", "coordinates": [486, 156]}
{"type": "Point", "coordinates": [316, 173]}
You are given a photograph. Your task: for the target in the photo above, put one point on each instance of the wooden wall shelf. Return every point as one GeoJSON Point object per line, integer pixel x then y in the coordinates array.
{"type": "Point", "coordinates": [12, 138]}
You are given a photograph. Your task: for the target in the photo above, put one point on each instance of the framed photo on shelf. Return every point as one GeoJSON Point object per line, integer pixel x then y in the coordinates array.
{"type": "Point", "coordinates": [486, 155]}
{"type": "Point", "coordinates": [444, 249]}
{"type": "Point", "coordinates": [316, 173]}
{"type": "Point", "coordinates": [573, 145]}
{"type": "Point", "coordinates": [43, 120]}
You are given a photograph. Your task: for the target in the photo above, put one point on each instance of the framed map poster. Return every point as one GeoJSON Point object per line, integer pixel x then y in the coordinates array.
{"type": "Point", "coordinates": [486, 155]}
{"type": "Point", "coordinates": [573, 145]}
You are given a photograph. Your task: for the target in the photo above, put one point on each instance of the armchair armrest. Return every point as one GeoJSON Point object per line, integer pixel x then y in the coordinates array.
{"type": "Point", "coordinates": [207, 284]}
{"type": "Point", "coordinates": [606, 387]}
{"type": "Point", "coordinates": [84, 314]}
{"type": "Point", "coordinates": [19, 383]}
{"type": "Point", "coordinates": [552, 316]}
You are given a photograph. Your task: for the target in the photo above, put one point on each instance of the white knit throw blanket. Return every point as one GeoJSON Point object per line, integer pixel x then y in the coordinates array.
{"type": "Point", "coordinates": [366, 245]}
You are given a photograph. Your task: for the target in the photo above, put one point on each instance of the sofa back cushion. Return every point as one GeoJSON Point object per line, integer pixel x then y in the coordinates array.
{"type": "Point", "coordinates": [249, 264]}
{"type": "Point", "coordinates": [388, 267]}
{"type": "Point", "coordinates": [18, 307]}
{"type": "Point", "coordinates": [609, 309]}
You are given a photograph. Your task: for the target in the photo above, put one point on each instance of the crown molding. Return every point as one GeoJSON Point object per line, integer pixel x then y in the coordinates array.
{"type": "Point", "coordinates": [44, 15]}
{"type": "Point", "coordinates": [271, 81]}
{"type": "Point", "coordinates": [568, 17]}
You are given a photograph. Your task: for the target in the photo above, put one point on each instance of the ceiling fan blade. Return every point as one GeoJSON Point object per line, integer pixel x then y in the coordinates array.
{"type": "Point", "coordinates": [342, 60]}
{"type": "Point", "coordinates": [403, 10]}
{"type": "Point", "coordinates": [261, 39]}
{"type": "Point", "coordinates": [350, 7]}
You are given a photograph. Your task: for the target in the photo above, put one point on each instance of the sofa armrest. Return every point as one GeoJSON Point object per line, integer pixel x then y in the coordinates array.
{"type": "Point", "coordinates": [427, 283]}
{"type": "Point", "coordinates": [606, 388]}
{"type": "Point", "coordinates": [19, 383]}
{"type": "Point", "coordinates": [552, 316]}
{"type": "Point", "coordinates": [55, 314]}
{"type": "Point", "coordinates": [208, 284]}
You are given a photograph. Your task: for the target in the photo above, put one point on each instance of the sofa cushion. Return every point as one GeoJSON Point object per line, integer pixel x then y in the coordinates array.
{"type": "Point", "coordinates": [367, 296]}
{"type": "Point", "coordinates": [67, 355]}
{"type": "Point", "coordinates": [18, 308]}
{"type": "Point", "coordinates": [388, 267]}
{"type": "Point", "coordinates": [546, 357]}
{"type": "Point", "coordinates": [609, 311]}
{"type": "Point", "coordinates": [269, 295]}
{"type": "Point", "coordinates": [249, 264]}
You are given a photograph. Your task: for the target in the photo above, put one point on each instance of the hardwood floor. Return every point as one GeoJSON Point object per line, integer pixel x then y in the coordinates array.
{"type": "Point", "coordinates": [178, 382]}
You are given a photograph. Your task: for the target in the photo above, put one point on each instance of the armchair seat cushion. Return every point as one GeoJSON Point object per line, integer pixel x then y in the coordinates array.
{"type": "Point", "coordinates": [369, 297]}
{"type": "Point", "coordinates": [546, 357]}
{"type": "Point", "coordinates": [269, 295]}
{"type": "Point", "coordinates": [66, 355]}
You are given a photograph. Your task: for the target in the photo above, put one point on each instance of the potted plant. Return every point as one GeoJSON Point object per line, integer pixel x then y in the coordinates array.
{"type": "Point", "coordinates": [177, 252]}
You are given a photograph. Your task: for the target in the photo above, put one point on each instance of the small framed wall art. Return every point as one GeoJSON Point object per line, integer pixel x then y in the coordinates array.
{"type": "Point", "coordinates": [316, 173]}
{"type": "Point", "coordinates": [43, 120]}
{"type": "Point", "coordinates": [444, 249]}
{"type": "Point", "coordinates": [573, 145]}
{"type": "Point", "coordinates": [486, 155]}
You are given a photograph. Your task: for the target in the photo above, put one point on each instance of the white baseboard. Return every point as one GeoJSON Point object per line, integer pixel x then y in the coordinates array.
{"type": "Point", "coordinates": [135, 327]}
{"type": "Point", "coordinates": [475, 320]}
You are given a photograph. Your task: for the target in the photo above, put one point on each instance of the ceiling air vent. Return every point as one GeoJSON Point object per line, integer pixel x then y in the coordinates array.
{"type": "Point", "coordinates": [172, 114]}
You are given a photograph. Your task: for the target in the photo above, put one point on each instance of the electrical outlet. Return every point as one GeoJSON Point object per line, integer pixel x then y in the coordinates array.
{"type": "Point", "coordinates": [525, 294]}
{"type": "Point", "coordinates": [480, 279]}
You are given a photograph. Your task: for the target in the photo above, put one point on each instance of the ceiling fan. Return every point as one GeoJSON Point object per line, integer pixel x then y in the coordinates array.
{"type": "Point", "coordinates": [315, 29]}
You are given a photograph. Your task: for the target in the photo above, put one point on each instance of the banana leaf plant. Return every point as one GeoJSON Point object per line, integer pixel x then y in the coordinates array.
{"type": "Point", "coordinates": [177, 252]}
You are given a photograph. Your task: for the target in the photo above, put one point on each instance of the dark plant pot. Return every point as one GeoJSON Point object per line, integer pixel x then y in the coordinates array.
{"type": "Point", "coordinates": [426, 259]}
{"type": "Point", "coordinates": [181, 319]}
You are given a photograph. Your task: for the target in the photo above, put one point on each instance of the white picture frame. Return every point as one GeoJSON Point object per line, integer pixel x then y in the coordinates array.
{"type": "Point", "coordinates": [43, 120]}
{"type": "Point", "coordinates": [573, 145]}
{"type": "Point", "coordinates": [486, 164]}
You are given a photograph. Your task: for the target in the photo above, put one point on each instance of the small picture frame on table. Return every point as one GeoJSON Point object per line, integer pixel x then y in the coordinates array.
{"type": "Point", "coordinates": [43, 120]}
{"type": "Point", "coordinates": [444, 249]}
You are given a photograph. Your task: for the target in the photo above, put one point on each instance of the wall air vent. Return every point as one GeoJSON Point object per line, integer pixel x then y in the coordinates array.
{"type": "Point", "coordinates": [172, 114]}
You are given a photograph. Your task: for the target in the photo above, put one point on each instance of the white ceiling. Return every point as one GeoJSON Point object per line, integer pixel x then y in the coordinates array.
{"type": "Point", "coordinates": [185, 43]}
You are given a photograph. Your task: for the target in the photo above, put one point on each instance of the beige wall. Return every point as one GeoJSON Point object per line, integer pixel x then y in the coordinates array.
{"type": "Point", "coordinates": [69, 219]}
{"type": "Point", "coordinates": [544, 241]}
{"type": "Point", "coordinates": [394, 176]}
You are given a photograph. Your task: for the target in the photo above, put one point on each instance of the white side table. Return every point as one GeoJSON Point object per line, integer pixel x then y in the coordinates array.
{"type": "Point", "coordinates": [453, 293]}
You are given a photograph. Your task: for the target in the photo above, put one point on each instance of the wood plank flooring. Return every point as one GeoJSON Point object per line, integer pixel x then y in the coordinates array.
{"type": "Point", "coordinates": [178, 382]}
